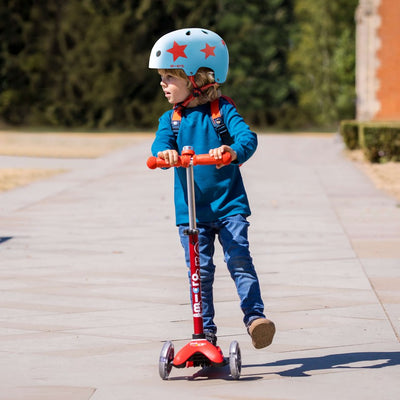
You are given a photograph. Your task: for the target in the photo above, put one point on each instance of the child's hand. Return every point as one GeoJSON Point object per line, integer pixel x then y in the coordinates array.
{"type": "Point", "coordinates": [217, 153]}
{"type": "Point", "coordinates": [169, 156]}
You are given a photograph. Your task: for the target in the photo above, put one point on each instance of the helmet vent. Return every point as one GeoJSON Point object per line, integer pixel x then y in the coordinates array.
{"type": "Point", "coordinates": [188, 33]}
{"type": "Point", "coordinates": [205, 32]}
{"type": "Point", "coordinates": [158, 54]}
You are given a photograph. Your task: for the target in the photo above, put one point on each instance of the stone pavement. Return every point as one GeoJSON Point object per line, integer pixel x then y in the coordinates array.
{"type": "Point", "coordinates": [92, 281]}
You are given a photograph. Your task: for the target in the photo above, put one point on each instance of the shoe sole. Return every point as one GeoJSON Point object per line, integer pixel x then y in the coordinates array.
{"type": "Point", "coordinates": [262, 332]}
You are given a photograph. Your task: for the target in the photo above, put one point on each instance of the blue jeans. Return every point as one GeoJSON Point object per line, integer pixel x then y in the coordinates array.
{"type": "Point", "coordinates": [232, 234]}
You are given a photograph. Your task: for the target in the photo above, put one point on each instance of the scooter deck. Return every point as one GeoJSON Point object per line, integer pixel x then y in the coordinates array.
{"type": "Point", "coordinates": [199, 352]}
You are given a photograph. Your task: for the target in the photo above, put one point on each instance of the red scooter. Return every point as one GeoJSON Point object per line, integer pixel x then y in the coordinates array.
{"type": "Point", "coordinates": [199, 351]}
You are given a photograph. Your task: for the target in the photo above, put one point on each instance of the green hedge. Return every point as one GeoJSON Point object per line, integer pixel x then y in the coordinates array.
{"type": "Point", "coordinates": [349, 132]}
{"type": "Point", "coordinates": [380, 141]}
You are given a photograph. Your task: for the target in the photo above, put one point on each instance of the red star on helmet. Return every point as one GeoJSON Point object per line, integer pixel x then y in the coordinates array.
{"type": "Point", "coordinates": [177, 50]}
{"type": "Point", "coordinates": [208, 50]}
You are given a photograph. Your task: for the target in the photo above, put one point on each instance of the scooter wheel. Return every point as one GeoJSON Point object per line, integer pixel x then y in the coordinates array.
{"type": "Point", "coordinates": [235, 360]}
{"type": "Point", "coordinates": [166, 359]}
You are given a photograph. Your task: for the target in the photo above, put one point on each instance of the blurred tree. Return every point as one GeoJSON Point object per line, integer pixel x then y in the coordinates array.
{"type": "Point", "coordinates": [256, 33]}
{"type": "Point", "coordinates": [322, 60]}
{"type": "Point", "coordinates": [77, 63]}
{"type": "Point", "coordinates": [84, 63]}
{"type": "Point", "coordinates": [257, 36]}
{"type": "Point", "coordinates": [15, 77]}
{"type": "Point", "coordinates": [98, 78]}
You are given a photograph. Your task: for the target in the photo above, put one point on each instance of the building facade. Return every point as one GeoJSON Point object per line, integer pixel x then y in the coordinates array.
{"type": "Point", "coordinates": [378, 60]}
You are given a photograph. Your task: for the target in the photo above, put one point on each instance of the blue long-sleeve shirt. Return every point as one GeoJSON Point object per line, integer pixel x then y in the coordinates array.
{"type": "Point", "coordinates": [219, 193]}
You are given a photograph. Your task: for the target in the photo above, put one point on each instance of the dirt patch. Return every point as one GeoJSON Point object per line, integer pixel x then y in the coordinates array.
{"type": "Point", "coordinates": [11, 178]}
{"type": "Point", "coordinates": [56, 145]}
{"type": "Point", "coordinates": [65, 145]}
{"type": "Point", "coordinates": [385, 176]}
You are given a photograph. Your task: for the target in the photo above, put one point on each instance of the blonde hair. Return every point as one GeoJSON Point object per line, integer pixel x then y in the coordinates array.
{"type": "Point", "coordinates": [203, 76]}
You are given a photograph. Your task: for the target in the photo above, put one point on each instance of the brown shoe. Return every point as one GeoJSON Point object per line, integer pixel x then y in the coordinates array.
{"type": "Point", "coordinates": [262, 331]}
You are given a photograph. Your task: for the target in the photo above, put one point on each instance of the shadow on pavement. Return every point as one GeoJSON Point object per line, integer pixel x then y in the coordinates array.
{"type": "Point", "coordinates": [213, 373]}
{"type": "Point", "coordinates": [363, 360]}
{"type": "Point", "coordinates": [4, 239]}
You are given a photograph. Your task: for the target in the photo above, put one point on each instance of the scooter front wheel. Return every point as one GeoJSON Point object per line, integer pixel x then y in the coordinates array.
{"type": "Point", "coordinates": [235, 360]}
{"type": "Point", "coordinates": [166, 359]}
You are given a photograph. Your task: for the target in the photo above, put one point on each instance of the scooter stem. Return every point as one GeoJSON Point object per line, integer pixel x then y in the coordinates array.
{"type": "Point", "coordinates": [188, 159]}
{"type": "Point", "coordinates": [192, 232]}
{"type": "Point", "coordinates": [190, 193]}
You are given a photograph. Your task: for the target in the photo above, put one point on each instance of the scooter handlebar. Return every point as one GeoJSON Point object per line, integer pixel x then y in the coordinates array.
{"type": "Point", "coordinates": [184, 161]}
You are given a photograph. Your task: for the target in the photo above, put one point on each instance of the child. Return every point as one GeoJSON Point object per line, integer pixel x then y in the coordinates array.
{"type": "Point", "coordinates": [193, 63]}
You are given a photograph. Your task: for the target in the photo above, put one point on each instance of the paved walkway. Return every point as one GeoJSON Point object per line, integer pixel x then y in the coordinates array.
{"type": "Point", "coordinates": [92, 282]}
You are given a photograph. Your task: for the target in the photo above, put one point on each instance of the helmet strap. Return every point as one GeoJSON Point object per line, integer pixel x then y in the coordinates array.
{"type": "Point", "coordinates": [197, 91]}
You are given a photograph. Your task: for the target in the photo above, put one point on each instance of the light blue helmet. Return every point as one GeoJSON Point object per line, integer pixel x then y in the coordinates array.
{"type": "Point", "coordinates": [190, 49]}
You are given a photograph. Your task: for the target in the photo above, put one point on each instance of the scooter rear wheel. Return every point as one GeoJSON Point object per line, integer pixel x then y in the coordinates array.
{"type": "Point", "coordinates": [166, 359]}
{"type": "Point", "coordinates": [235, 360]}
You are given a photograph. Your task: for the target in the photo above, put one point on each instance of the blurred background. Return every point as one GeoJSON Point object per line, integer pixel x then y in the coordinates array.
{"type": "Point", "coordinates": [84, 63]}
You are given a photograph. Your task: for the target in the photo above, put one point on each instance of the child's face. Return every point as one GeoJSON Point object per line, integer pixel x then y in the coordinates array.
{"type": "Point", "coordinates": [175, 88]}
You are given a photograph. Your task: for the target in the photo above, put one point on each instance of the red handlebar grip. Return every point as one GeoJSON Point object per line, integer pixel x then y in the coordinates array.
{"type": "Point", "coordinates": [226, 158]}
{"type": "Point", "coordinates": [183, 161]}
{"type": "Point", "coordinates": [155, 162]}
{"type": "Point", "coordinates": [152, 162]}
{"type": "Point", "coordinates": [206, 159]}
